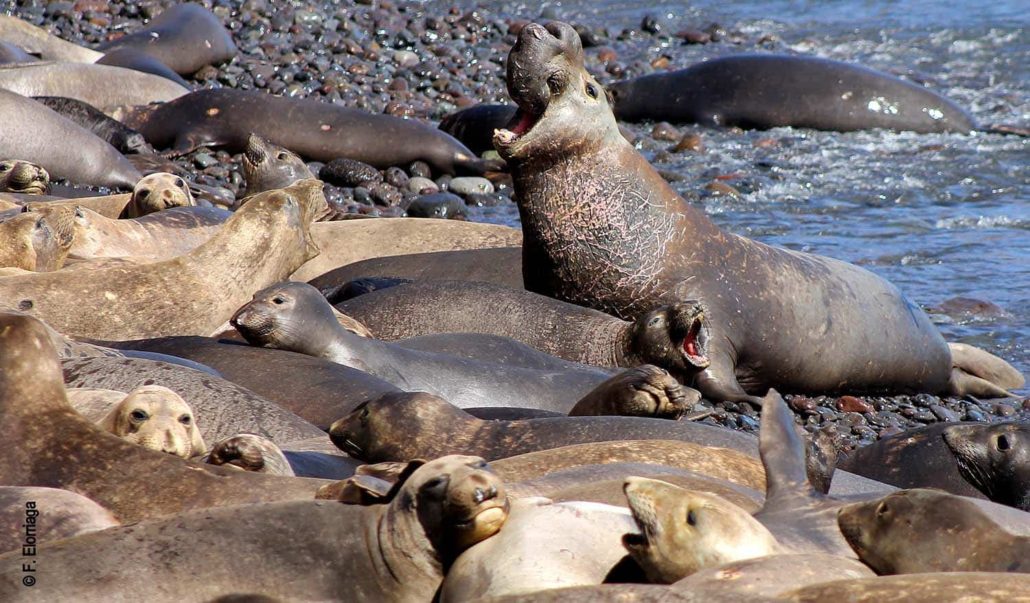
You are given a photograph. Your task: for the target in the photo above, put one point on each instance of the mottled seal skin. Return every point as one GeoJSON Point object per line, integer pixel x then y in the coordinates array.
{"type": "Point", "coordinates": [475, 126]}
{"type": "Point", "coordinates": [767, 91]}
{"type": "Point", "coordinates": [65, 514]}
{"type": "Point", "coordinates": [917, 588]}
{"type": "Point", "coordinates": [350, 241]}
{"type": "Point", "coordinates": [403, 426]}
{"type": "Point", "coordinates": [35, 133]}
{"type": "Point", "coordinates": [23, 177]}
{"type": "Point", "coordinates": [156, 418]}
{"type": "Point", "coordinates": [394, 552]}
{"type": "Point", "coordinates": [922, 531]}
{"type": "Point", "coordinates": [130, 58]}
{"type": "Point", "coordinates": [995, 459]}
{"type": "Point", "coordinates": [158, 192]}
{"type": "Point", "coordinates": [33, 242]}
{"type": "Point", "coordinates": [101, 86]}
{"type": "Point", "coordinates": [493, 265]}
{"type": "Point", "coordinates": [49, 444]}
{"type": "Point", "coordinates": [317, 130]}
{"type": "Point", "coordinates": [918, 458]}
{"type": "Point", "coordinates": [115, 133]}
{"type": "Point", "coordinates": [771, 575]}
{"type": "Point", "coordinates": [262, 243]}
{"type": "Point", "coordinates": [590, 238]}
{"type": "Point", "coordinates": [42, 43]}
{"type": "Point", "coordinates": [185, 37]}
{"type": "Point", "coordinates": [267, 166]}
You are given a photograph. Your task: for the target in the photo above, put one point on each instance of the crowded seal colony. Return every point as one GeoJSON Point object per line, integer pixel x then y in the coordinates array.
{"type": "Point", "coordinates": [240, 360]}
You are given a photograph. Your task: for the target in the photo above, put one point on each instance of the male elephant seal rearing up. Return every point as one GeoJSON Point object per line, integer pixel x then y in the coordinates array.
{"type": "Point", "coordinates": [603, 229]}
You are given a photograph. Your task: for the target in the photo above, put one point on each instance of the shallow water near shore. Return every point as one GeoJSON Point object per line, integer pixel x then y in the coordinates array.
{"type": "Point", "coordinates": [940, 216]}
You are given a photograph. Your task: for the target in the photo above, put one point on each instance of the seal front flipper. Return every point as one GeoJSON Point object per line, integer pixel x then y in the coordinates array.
{"type": "Point", "coordinates": [643, 391]}
{"type": "Point", "coordinates": [782, 451]}
{"type": "Point", "coordinates": [718, 383]}
{"type": "Point", "coordinates": [984, 366]}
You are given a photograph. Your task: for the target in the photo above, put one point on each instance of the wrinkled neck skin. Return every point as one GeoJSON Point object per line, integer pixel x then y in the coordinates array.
{"type": "Point", "coordinates": [406, 563]}
{"type": "Point", "coordinates": [596, 221]}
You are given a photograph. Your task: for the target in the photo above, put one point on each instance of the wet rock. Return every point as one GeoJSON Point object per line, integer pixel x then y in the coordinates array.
{"type": "Point", "coordinates": [665, 131]}
{"type": "Point", "coordinates": [694, 36]}
{"type": "Point", "coordinates": [689, 142]}
{"type": "Point", "coordinates": [437, 205]}
{"type": "Point", "coordinates": [721, 189]}
{"type": "Point", "coordinates": [467, 185]}
{"type": "Point", "coordinates": [853, 404]}
{"type": "Point", "coordinates": [801, 404]}
{"type": "Point", "coordinates": [349, 172]}
{"type": "Point", "coordinates": [943, 414]}
{"type": "Point", "coordinates": [422, 185]}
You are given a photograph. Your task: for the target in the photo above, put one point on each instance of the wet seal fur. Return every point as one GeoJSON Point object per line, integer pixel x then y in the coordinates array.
{"type": "Point", "coordinates": [603, 229]}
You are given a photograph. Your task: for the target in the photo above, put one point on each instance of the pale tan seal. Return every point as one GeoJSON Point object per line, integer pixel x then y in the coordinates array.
{"type": "Point", "coordinates": [52, 514]}
{"type": "Point", "coordinates": [156, 418]}
{"type": "Point", "coordinates": [18, 176]}
{"type": "Point", "coordinates": [189, 295]}
{"type": "Point", "coordinates": [102, 86]}
{"type": "Point", "coordinates": [40, 42]}
{"type": "Point", "coordinates": [109, 206]}
{"type": "Point", "coordinates": [34, 243]}
{"type": "Point", "coordinates": [156, 192]}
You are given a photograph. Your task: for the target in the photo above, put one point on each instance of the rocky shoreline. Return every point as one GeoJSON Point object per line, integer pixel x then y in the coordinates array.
{"type": "Point", "coordinates": [407, 59]}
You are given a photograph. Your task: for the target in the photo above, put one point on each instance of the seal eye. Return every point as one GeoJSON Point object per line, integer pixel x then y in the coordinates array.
{"type": "Point", "coordinates": [691, 518]}
{"type": "Point", "coordinates": [139, 415]}
{"type": "Point", "coordinates": [179, 182]}
{"type": "Point", "coordinates": [592, 91]}
{"type": "Point", "coordinates": [185, 419]}
{"type": "Point", "coordinates": [281, 156]}
{"type": "Point", "coordinates": [881, 509]}
{"type": "Point", "coordinates": [654, 322]}
{"type": "Point", "coordinates": [79, 213]}
{"type": "Point", "coordinates": [278, 300]}
{"type": "Point", "coordinates": [4, 167]}
{"type": "Point", "coordinates": [1002, 443]}
{"type": "Point", "coordinates": [143, 192]}
{"type": "Point", "coordinates": [436, 486]}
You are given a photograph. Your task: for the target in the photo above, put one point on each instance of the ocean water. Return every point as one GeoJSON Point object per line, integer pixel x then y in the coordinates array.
{"type": "Point", "coordinates": [940, 216]}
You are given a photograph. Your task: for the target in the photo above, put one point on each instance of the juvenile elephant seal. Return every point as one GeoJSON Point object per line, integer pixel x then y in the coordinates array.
{"type": "Point", "coordinates": [156, 418]}
{"type": "Point", "coordinates": [771, 575]}
{"type": "Point", "coordinates": [33, 242]}
{"type": "Point", "coordinates": [262, 243]}
{"type": "Point", "coordinates": [65, 514]}
{"type": "Point", "coordinates": [102, 86]}
{"type": "Point", "coordinates": [185, 37]}
{"type": "Point", "coordinates": [156, 192]}
{"type": "Point", "coordinates": [23, 177]}
{"type": "Point", "coordinates": [395, 551]}
{"type": "Point", "coordinates": [130, 58]}
{"type": "Point", "coordinates": [603, 229]}
{"type": "Point", "coordinates": [35, 133]}
{"type": "Point", "coordinates": [295, 317]}
{"type": "Point", "coordinates": [499, 264]}
{"type": "Point", "coordinates": [49, 444]}
{"type": "Point", "coordinates": [994, 458]}
{"type": "Point", "coordinates": [768, 91]}
{"type": "Point", "coordinates": [317, 130]}
{"type": "Point", "coordinates": [115, 133]}
{"type": "Point", "coordinates": [403, 426]}
{"type": "Point", "coordinates": [267, 166]}
{"type": "Point", "coordinates": [40, 42]}
{"type": "Point", "coordinates": [916, 588]}
{"type": "Point", "coordinates": [921, 531]}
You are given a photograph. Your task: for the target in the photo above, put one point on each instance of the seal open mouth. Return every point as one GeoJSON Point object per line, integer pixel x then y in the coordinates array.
{"type": "Point", "coordinates": [692, 334]}
{"type": "Point", "coordinates": [520, 125]}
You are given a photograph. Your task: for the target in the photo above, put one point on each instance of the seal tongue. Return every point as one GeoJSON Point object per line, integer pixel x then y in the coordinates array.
{"type": "Point", "coordinates": [690, 344]}
{"type": "Point", "coordinates": [525, 122]}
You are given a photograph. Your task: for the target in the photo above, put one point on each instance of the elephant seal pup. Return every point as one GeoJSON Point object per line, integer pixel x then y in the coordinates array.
{"type": "Point", "coordinates": [184, 37]}
{"type": "Point", "coordinates": [405, 426]}
{"type": "Point", "coordinates": [267, 166]}
{"type": "Point", "coordinates": [317, 390]}
{"type": "Point", "coordinates": [156, 418]}
{"type": "Point", "coordinates": [49, 444]}
{"type": "Point", "coordinates": [32, 242]}
{"type": "Point", "coordinates": [350, 241]}
{"type": "Point", "coordinates": [916, 588]}
{"type": "Point", "coordinates": [262, 243]}
{"type": "Point", "coordinates": [543, 545]}
{"type": "Point", "coordinates": [768, 91]}
{"type": "Point", "coordinates": [498, 265]}
{"type": "Point", "coordinates": [37, 41]}
{"type": "Point", "coordinates": [921, 531]}
{"type": "Point", "coordinates": [590, 239]}
{"type": "Point", "coordinates": [317, 130]}
{"type": "Point", "coordinates": [65, 514]}
{"type": "Point", "coordinates": [250, 452]}
{"type": "Point", "coordinates": [23, 177]}
{"type": "Point", "coordinates": [157, 192]}
{"type": "Point", "coordinates": [294, 316]}
{"type": "Point", "coordinates": [101, 86]}
{"type": "Point", "coordinates": [118, 135]}
{"type": "Point", "coordinates": [994, 458]}
{"type": "Point", "coordinates": [396, 551]}
{"type": "Point", "coordinates": [35, 133]}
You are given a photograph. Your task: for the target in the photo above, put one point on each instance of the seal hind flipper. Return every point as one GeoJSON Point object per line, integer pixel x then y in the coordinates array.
{"type": "Point", "coordinates": [782, 451]}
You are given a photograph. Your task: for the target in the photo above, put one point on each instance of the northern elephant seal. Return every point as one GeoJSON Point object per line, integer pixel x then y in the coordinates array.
{"type": "Point", "coordinates": [267, 166]}
{"type": "Point", "coordinates": [23, 177]}
{"type": "Point", "coordinates": [156, 418]}
{"type": "Point", "coordinates": [249, 452]}
{"type": "Point", "coordinates": [603, 229]}
{"type": "Point", "coordinates": [65, 514]}
{"type": "Point", "coordinates": [157, 192]}
{"type": "Point", "coordinates": [101, 86]}
{"type": "Point", "coordinates": [33, 242]}
{"type": "Point", "coordinates": [114, 133]}
{"type": "Point", "coordinates": [262, 243]}
{"type": "Point", "coordinates": [770, 90]}
{"type": "Point", "coordinates": [35, 133]}
{"type": "Point", "coordinates": [130, 58]}
{"type": "Point", "coordinates": [318, 130]}
{"type": "Point", "coordinates": [994, 458]}
{"type": "Point", "coordinates": [921, 531]}
{"type": "Point", "coordinates": [916, 588]}
{"type": "Point", "coordinates": [40, 42]}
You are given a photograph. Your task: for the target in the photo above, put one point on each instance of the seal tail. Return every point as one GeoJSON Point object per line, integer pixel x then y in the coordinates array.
{"type": "Point", "coordinates": [980, 373]}
{"type": "Point", "coordinates": [782, 450]}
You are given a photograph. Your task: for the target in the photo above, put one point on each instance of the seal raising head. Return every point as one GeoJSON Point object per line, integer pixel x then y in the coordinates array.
{"type": "Point", "coordinates": [674, 337]}
{"type": "Point", "coordinates": [156, 418]}
{"type": "Point", "coordinates": [994, 458]}
{"type": "Point", "coordinates": [156, 192]}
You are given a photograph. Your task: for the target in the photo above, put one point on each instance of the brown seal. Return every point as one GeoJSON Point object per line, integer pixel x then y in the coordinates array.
{"type": "Point", "coordinates": [49, 444]}
{"type": "Point", "coordinates": [65, 514]}
{"type": "Point", "coordinates": [396, 551]}
{"type": "Point", "coordinates": [994, 458]}
{"type": "Point", "coordinates": [250, 452]}
{"type": "Point", "coordinates": [102, 86]}
{"type": "Point", "coordinates": [403, 426]}
{"type": "Point", "coordinates": [23, 177]}
{"type": "Point", "coordinates": [34, 242]}
{"type": "Point", "coordinates": [921, 531]}
{"type": "Point", "coordinates": [917, 588]}
{"type": "Point", "coordinates": [603, 229]}
{"type": "Point", "coordinates": [156, 192]}
{"type": "Point", "coordinates": [262, 243]}
{"type": "Point", "coordinates": [267, 166]}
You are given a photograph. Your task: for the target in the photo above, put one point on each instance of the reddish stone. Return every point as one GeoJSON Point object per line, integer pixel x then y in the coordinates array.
{"type": "Point", "coordinates": [853, 404]}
